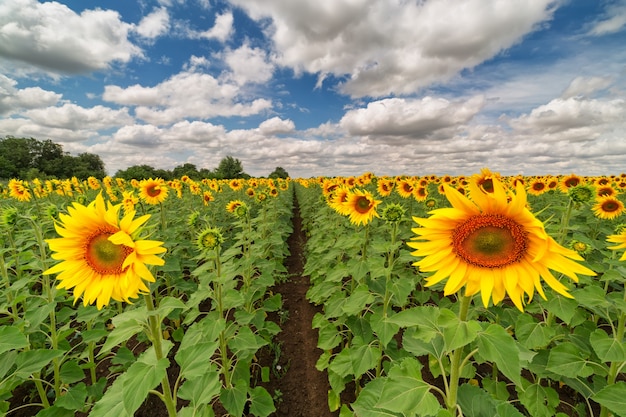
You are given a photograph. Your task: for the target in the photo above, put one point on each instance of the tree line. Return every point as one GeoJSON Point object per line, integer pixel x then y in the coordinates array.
{"type": "Point", "coordinates": [29, 158]}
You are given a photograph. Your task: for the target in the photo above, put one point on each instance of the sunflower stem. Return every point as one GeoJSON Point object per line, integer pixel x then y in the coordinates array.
{"type": "Point", "coordinates": [50, 295]}
{"type": "Point", "coordinates": [219, 305]}
{"type": "Point", "coordinates": [615, 365]}
{"type": "Point", "coordinates": [455, 361]}
{"type": "Point", "coordinates": [154, 325]}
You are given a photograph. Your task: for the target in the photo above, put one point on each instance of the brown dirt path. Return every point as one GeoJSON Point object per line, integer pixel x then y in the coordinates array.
{"type": "Point", "coordinates": [304, 389]}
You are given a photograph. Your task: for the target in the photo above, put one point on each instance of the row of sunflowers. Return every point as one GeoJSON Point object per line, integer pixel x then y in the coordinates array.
{"type": "Point", "coordinates": [428, 292]}
{"type": "Point", "coordinates": [174, 279]}
{"type": "Point", "coordinates": [427, 286]}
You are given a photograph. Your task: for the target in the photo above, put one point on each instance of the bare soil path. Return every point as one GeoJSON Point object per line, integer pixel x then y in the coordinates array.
{"type": "Point", "coordinates": [304, 389]}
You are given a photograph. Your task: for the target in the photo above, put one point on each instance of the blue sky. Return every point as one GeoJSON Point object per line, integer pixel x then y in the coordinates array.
{"type": "Point", "coordinates": [322, 87]}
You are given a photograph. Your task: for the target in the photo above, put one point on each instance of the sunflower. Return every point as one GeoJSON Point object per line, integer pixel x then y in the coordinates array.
{"type": "Point", "coordinates": [18, 189]}
{"type": "Point", "coordinates": [384, 186]}
{"type": "Point", "coordinates": [102, 257]}
{"type": "Point", "coordinates": [537, 186]}
{"type": "Point", "coordinates": [360, 206]}
{"type": "Point", "coordinates": [207, 197]}
{"type": "Point", "coordinates": [404, 187]}
{"type": "Point", "coordinates": [153, 191]}
{"type": "Point", "coordinates": [236, 184]}
{"type": "Point", "coordinates": [620, 239]}
{"type": "Point", "coordinates": [484, 180]}
{"type": "Point", "coordinates": [420, 193]}
{"type": "Point", "coordinates": [128, 201]}
{"type": "Point", "coordinates": [569, 181]}
{"type": "Point", "coordinates": [608, 207]}
{"type": "Point", "coordinates": [232, 205]}
{"type": "Point", "coordinates": [491, 244]}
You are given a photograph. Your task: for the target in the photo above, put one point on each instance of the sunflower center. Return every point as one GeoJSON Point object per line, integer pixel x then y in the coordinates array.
{"type": "Point", "coordinates": [104, 256]}
{"type": "Point", "coordinates": [153, 190]}
{"type": "Point", "coordinates": [362, 205]}
{"type": "Point", "coordinates": [490, 241]}
{"type": "Point", "coordinates": [610, 206]}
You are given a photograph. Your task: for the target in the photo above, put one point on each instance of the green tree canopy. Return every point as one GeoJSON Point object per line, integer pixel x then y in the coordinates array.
{"type": "Point", "coordinates": [279, 172]}
{"type": "Point", "coordinates": [230, 168]}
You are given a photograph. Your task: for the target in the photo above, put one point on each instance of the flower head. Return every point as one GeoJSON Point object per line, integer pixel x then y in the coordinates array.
{"type": "Point", "coordinates": [102, 257]}
{"type": "Point", "coordinates": [18, 189]}
{"type": "Point", "coordinates": [360, 206]}
{"type": "Point", "coordinates": [209, 239]}
{"type": "Point", "coordinates": [393, 212]}
{"type": "Point", "coordinates": [153, 191]}
{"type": "Point", "coordinates": [491, 244]}
{"type": "Point", "coordinates": [608, 207]}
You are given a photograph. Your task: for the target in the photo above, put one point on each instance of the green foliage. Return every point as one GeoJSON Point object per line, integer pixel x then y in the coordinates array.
{"type": "Point", "coordinates": [29, 158]}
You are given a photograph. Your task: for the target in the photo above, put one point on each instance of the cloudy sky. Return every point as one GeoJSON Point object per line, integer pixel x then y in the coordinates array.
{"type": "Point", "coordinates": [322, 87]}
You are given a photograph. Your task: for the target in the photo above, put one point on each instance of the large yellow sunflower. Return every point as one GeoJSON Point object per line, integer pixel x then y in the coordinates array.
{"type": "Point", "coordinates": [360, 206]}
{"type": "Point", "coordinates": [491, 244]}
{"type": "Point", "coordinates": [608, 207]}
{"type": "Point", "coordinates": [153, 191]}
{"type": "Point", "coordinates": [102, 257]}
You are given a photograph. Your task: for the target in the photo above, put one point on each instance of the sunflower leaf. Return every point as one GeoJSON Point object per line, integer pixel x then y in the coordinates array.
{"type": "Point", "coordinates": [496, 345]}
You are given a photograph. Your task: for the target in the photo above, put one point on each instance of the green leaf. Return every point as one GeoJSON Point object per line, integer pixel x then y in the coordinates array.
{"type": "Point", "coordinates": [193, 359]}
{"type": "Point", "coordinates": [540, 401]}
{"type": "Point", "coordinates": [424, 316]}
{"type": "Point", "coordinates": [607, 348]}
{"type": "Point", "coordinates": [55, 411]}
{"type": "Point", "coordinates": [11, 338]}
{"type": "Point", "coordinates": [533, 334]}
{"type": "Point", "coordinates": [141, 377]}
{"type": "Point", "coordinates": [261, 403]}
{"type": "Point", "coordinates": [126, 325]}
{"type": "Point", "coordinates": [364, 358]}
{"type": "Point", "coordinates": [496, 345]}
{"type": "Point", "coordinates": [234, 399]}
{"type": "Point", "coordinates": [365, 404]}
{"type": "Point", "coordinates": [169, 304]}
{"type": "Point", "coordinates": [202, 389]}
{"type": "Point", "coordinates": [476, 402]}
{"type": "Point", "coordinates": [74, 398]}
{"type": "Point", "coordinates": [405, 392]}
{"type": "Point", "coordinates": [358, 300]}
{"type": "Point", "coordinates": [71, 372]}
{"type": "Point", "coordinates": [567, 360]}
{"type": "Point", "coordinates": [32, 361]}
{"type": "Point", "coordinates": [564, 308]}
{"type": "Point", "coordinates": [245, 343]}
{"type": "Point", "coordinates": [591, 296]}
{"type": "Point", "coordinates": [385, 329]}
{"type": "Point", "coordinates": [457, 333]}
{"type": "Point", "coordinates": [613, 397]}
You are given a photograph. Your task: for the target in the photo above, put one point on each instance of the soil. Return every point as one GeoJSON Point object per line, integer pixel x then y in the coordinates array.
{"type": "Point", "coordinates": [303, 389]}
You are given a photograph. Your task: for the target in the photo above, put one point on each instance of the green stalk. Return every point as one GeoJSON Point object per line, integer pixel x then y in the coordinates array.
{"type": "Point", "coordinates": [615, 366]}
{"type": "Point", "coordinates": [217, 288]}
{"type": "Point", "coordinates": [154, 326]}
{"type": "Point", "coordinates": [92, 357]}
{"type": "Point", "coordinates": [50, 295]}
{"type": "Point", "coordinates": [455, 361]}
{"type": "Point", "coordinates": [390, 259]}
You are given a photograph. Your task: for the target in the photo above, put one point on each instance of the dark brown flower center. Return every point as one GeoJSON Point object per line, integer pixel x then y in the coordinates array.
{"type": "Point", "coordinates": [362, 204]}
{"type": "Point", "coordinates": [104, 256]}
{"type": "Point", "coordinates": [490, 241]}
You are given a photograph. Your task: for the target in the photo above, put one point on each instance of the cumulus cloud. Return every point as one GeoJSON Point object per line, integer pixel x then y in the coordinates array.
{"type": "Point", "coordinates": [52, 37]}
{"type": "Point", "coordinates": [424, 43]}
{"type": "Point", "coordinates": [154, 24]}
{"type": "Point", "coordinates": [409, 117]}
{"type": "Point", "coordinates": [14, 100]}
{"type": "Point", "coordinates": [275, 126]}
{"type": "Point", "coordinates": [188, 94]}
{"type": "Point", "coordinates": [73, 117]}
{"type": "Point", "coordinates": [221, 31]}
{"type": "Point", "coordinates": [247, 65]}
{"type": "Point", "coordinates": [571, 118]}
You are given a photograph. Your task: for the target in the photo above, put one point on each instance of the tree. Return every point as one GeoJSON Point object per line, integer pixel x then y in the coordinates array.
{"type": "Point", "coordinates": [279, 172]}
{"type": "Point", "coordinates": [230, 168]}
{"type": "Point", "coordinates": [88, 165]}
{"type": "Point", "coordinates": [137, 172]}
{"type": "Point", "coordinates": [187, 169]}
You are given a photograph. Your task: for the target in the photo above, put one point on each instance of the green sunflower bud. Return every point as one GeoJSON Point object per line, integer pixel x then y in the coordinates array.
{"type": "Point", "coordinates": [209, 239]}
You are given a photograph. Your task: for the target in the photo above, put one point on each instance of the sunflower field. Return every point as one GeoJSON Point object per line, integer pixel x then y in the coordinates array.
{"type": "Point", "coordinates": [476, 295]}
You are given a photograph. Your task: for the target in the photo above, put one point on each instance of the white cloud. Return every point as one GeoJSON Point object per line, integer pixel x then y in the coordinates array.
{"type": "Point", "coordinates": [275, 126]}
{"type": "Point", "coordinates": [585, 86]}
{"type": "Point", "coordinates": [247, 65]}
{"type": "Point", "coordinates": [615, 21]}
{"type": "Point", "coordinates": [222, 29]}
{"type": "Point", "coordinates": [154, 24]}
{"type": "Point", "coordinates": [571, 118]}
{"type": "Point", "coordinates": [73, 117]}
{"type": "Point", "coordinates": [14, 100]}
{"type": "Point", "coordinates": [409, 117]}
{"type": "Point", "coordinates": [422, 44]}
{"type": "Point", "coordinates": [52, 37]}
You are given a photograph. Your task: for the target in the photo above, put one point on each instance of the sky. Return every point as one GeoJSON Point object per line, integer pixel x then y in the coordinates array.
{"type": "Point", "coordinates": [322, 87]}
